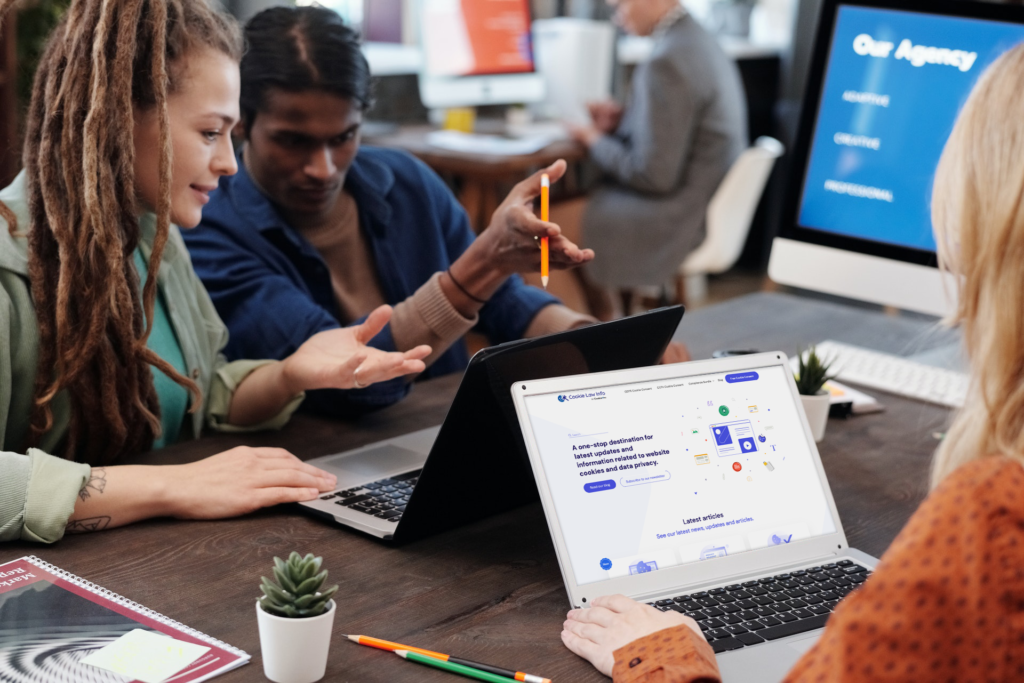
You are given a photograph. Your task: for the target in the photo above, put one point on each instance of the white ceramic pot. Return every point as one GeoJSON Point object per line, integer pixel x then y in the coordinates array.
{"type": "Point", "coordinates": [295, 650]}
{"type": "Point", "coordinates": [816, 408]}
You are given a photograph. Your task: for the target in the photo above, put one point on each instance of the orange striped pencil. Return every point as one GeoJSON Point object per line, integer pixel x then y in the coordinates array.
{"type": "Point", "coordinates": [392, 647]}
{"type": "Point", "coordinates": [545, 206]}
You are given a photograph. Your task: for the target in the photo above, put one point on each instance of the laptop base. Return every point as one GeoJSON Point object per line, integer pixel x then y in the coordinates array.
{"type": "Point", "coordinates": [770, 661]}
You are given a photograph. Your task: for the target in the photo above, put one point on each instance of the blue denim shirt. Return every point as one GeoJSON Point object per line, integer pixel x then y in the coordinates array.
{"type": "Point", "coordinates": [273, 289]}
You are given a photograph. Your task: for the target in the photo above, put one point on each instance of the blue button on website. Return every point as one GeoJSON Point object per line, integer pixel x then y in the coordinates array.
{"type": "Point", "coordinates": [606, 564]}
{"type": "Point", "coordinates": [605, 485]}
{"type": "Point", "coordinates": [741, 377]}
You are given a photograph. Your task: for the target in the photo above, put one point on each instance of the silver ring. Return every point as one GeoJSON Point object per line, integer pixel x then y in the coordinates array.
{"type": "Point", "coordinates": [355, 382]}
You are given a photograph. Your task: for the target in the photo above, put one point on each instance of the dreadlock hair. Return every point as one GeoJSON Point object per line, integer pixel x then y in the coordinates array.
{"type": "Point", "coordinates": [301, 48]}
{"type": "Point", "coordinates": [105, 59]}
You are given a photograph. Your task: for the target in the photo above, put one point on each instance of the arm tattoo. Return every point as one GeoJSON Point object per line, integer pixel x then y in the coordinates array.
{"type": "Point", "coordinates": [81, 526]}
{"type": "Point", "coordinates": [97, 482]}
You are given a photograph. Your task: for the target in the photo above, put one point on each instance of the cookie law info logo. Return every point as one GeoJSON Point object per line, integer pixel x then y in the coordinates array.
{"type": "Point", "coordinates": [562, 398]}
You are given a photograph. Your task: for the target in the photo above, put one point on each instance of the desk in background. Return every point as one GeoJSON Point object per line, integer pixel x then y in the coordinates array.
{"type": "Point", "coordinates": [481, 180]}
{"type": "Point", "coordinates": [491, 591]}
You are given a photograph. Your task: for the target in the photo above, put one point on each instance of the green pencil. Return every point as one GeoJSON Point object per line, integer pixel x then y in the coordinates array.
{"type": "Point", "coordinates": [467, 671]}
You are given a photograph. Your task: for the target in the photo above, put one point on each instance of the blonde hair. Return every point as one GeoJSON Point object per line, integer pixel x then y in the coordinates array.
{"type": "Point", "coordinates": [978, 216]}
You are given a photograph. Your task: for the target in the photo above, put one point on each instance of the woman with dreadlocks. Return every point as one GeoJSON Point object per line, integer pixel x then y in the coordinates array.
{"type": "Point", "coordinates": [109, 345]}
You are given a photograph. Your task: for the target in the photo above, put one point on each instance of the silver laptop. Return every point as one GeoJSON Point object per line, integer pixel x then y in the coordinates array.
{"type": "Point", "coordinates": [697, 488]}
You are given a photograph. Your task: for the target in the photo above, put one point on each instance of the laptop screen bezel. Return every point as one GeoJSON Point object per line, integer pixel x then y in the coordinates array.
{"type": "Point", "coordinates": [719, 570]}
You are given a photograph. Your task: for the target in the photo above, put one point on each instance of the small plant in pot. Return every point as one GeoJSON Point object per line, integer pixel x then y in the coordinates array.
{"type": "Point", "coordinates": [811, 376]}
{"type": "Point", "coordinates": [296, 616]}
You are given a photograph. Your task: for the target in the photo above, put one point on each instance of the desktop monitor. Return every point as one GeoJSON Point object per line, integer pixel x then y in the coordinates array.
{"type": "Point", "coordinates": [477, 52]}
{"type": "Point", "coordinates": [887, 80]}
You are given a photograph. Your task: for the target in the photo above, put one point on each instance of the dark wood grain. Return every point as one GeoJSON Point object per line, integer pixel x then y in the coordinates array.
{"type": "Point", "coordinates": [491, 591]}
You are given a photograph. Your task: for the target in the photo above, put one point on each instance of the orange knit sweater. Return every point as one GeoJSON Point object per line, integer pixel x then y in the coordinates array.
{"type": "Point", "coordinates": [946, 603]}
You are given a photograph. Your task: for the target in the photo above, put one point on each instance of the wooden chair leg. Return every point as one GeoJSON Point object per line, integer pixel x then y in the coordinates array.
{"type": "Point", "coordinates": [626, 296]}
{"type": "Point", "coordinates": [680, 289]}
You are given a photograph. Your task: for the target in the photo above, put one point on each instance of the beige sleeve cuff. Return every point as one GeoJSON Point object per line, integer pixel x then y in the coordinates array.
{"type": "Point", "coordinates": [428, 317]}
{"type": "Point", "coordinates": [225, 381]}
{"type": "Point", "coordinates": [53, 486]}
{"type": "Point", "coordinates": [556, 318]}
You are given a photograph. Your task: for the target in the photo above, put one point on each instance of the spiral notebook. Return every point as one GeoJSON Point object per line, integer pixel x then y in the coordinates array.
{"type": "Point", "coordinates": [51, 619]}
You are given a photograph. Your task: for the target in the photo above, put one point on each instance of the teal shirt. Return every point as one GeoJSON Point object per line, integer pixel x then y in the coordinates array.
{"type": "Point", "coordinates": [37, 490]}
{"type": "Point", "coordinates": [163, 342]}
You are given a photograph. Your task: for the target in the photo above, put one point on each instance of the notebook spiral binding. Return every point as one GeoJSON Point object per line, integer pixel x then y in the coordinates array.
{"type": "Point", "coordinates": [134, 606]}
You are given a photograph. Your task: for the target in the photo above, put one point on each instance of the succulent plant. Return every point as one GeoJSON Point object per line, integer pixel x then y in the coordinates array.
{"type": "Point", "coordinates": [812, 373]}
{"type": "Point", "coordinates": [297, 593]}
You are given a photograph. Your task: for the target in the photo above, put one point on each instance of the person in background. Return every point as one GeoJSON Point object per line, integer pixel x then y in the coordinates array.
{"type": "Point", "coordinates": [316, 230]}
{"type": "Point", "coordinates": [662, 156]}
{"type": "Point", "coordinates": [946, 603]}
{"type": "Point", "coordinates": [109, 345]}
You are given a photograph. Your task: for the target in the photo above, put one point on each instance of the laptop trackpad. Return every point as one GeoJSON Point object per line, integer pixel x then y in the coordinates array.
{"type": "Point", "coordinates": [766, 662]}
{"type": "Point", "coordinates": [374, 463]}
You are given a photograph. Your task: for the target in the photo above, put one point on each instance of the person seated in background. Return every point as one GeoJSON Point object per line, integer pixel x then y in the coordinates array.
{"type": "Point", "coordinates": [947, 599]}
{"type": "Point", "coordinates": [315, 231]}
{"type": "Point", "coordinates": [662, 157]}
{"type": "Point", "coordinates": [110, 345]}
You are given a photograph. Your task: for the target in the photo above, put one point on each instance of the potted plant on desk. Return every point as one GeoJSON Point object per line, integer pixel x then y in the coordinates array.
{"type": "Point", "coordinates": [295, 618]}
{"type": "Point", "coordinates": [810, 380]}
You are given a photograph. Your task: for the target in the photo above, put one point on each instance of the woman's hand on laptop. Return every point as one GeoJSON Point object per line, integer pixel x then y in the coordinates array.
{"type": "Point", "coordinates": [614, 621]}
{"type": "Point", "coordinates": [228, 484]}
{"type": "Point", "coordinates": [243, 480]}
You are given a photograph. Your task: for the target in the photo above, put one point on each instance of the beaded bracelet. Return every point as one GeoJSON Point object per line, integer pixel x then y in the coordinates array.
{"type": "Point", "coordinates": [463, 289]}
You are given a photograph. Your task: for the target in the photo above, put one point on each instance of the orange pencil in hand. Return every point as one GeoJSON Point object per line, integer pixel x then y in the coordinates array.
{"type": "Point", "coordinates": [545, 200]}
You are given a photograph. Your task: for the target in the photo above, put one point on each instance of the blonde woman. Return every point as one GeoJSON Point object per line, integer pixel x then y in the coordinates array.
{"type": "Point", "coordinates": [947, 600]}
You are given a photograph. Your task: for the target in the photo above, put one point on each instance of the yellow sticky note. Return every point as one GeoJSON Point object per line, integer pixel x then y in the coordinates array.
{"type": "Point", "coordinates": [146, 656]}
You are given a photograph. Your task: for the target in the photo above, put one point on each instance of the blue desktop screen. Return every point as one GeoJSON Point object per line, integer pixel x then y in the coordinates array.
{"type": "Point", "coordinates": [894, 84]}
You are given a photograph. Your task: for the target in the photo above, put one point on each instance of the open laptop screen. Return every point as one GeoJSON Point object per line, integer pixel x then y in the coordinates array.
{"type": "Point", "coordinates": [654, 474]}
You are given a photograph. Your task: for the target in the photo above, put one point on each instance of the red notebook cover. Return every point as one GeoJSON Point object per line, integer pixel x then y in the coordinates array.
{"type": "Point", "coordinates": [51, 619]}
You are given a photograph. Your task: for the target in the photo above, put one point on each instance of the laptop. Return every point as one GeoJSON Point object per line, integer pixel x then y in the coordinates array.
{"type": "Point", "coordinates": [474, 464]}
{"type": "Point", "coordinates": [694, 487]}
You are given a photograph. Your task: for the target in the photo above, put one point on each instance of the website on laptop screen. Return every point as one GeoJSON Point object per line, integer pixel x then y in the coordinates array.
{"type": "Point", "coordinates": [655, 474]}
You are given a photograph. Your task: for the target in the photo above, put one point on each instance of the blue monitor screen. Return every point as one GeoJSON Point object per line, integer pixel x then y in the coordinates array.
{"type": "Point", "coordinates": [894, 84]}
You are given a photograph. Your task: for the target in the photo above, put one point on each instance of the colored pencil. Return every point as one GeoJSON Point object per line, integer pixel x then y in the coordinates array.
{"type": "Point", "coordinates": [467, 671]}
{"type": "Point", "coordinates": [392, 647]}
{"type": "Point", "coordinates": [545, 207]}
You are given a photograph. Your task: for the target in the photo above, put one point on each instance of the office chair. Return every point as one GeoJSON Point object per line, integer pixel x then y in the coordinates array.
{"type": "Point", "coordinates": [730, 213]}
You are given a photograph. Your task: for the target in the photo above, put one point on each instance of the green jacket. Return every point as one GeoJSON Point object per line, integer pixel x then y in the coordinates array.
{"type": "Point", "coordinates": [37, 490]}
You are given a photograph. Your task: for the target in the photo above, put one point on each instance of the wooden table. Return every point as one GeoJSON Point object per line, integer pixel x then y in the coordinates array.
{"type": "Point", "coordinates": [491, 591]}
{"type": "Point", "coordinates": [481, 180]}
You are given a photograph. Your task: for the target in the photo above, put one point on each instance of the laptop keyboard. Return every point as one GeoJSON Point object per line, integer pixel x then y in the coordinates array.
{"type": "Point", "coordinates": [384, 498]}
{"type": "Point", "coordinates": [765, 609]}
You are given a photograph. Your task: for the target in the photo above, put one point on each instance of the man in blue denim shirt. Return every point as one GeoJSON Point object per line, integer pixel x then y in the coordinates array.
{"type": "Point", "coordinates": [314, 232]}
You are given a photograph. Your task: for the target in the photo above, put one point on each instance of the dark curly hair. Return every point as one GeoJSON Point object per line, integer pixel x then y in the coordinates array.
{"type": "Point", "coordinates": [301, 48]}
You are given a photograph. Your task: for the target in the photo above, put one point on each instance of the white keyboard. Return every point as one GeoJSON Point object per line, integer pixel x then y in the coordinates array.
{"type": "Point", "coordinates": [895, 375]}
